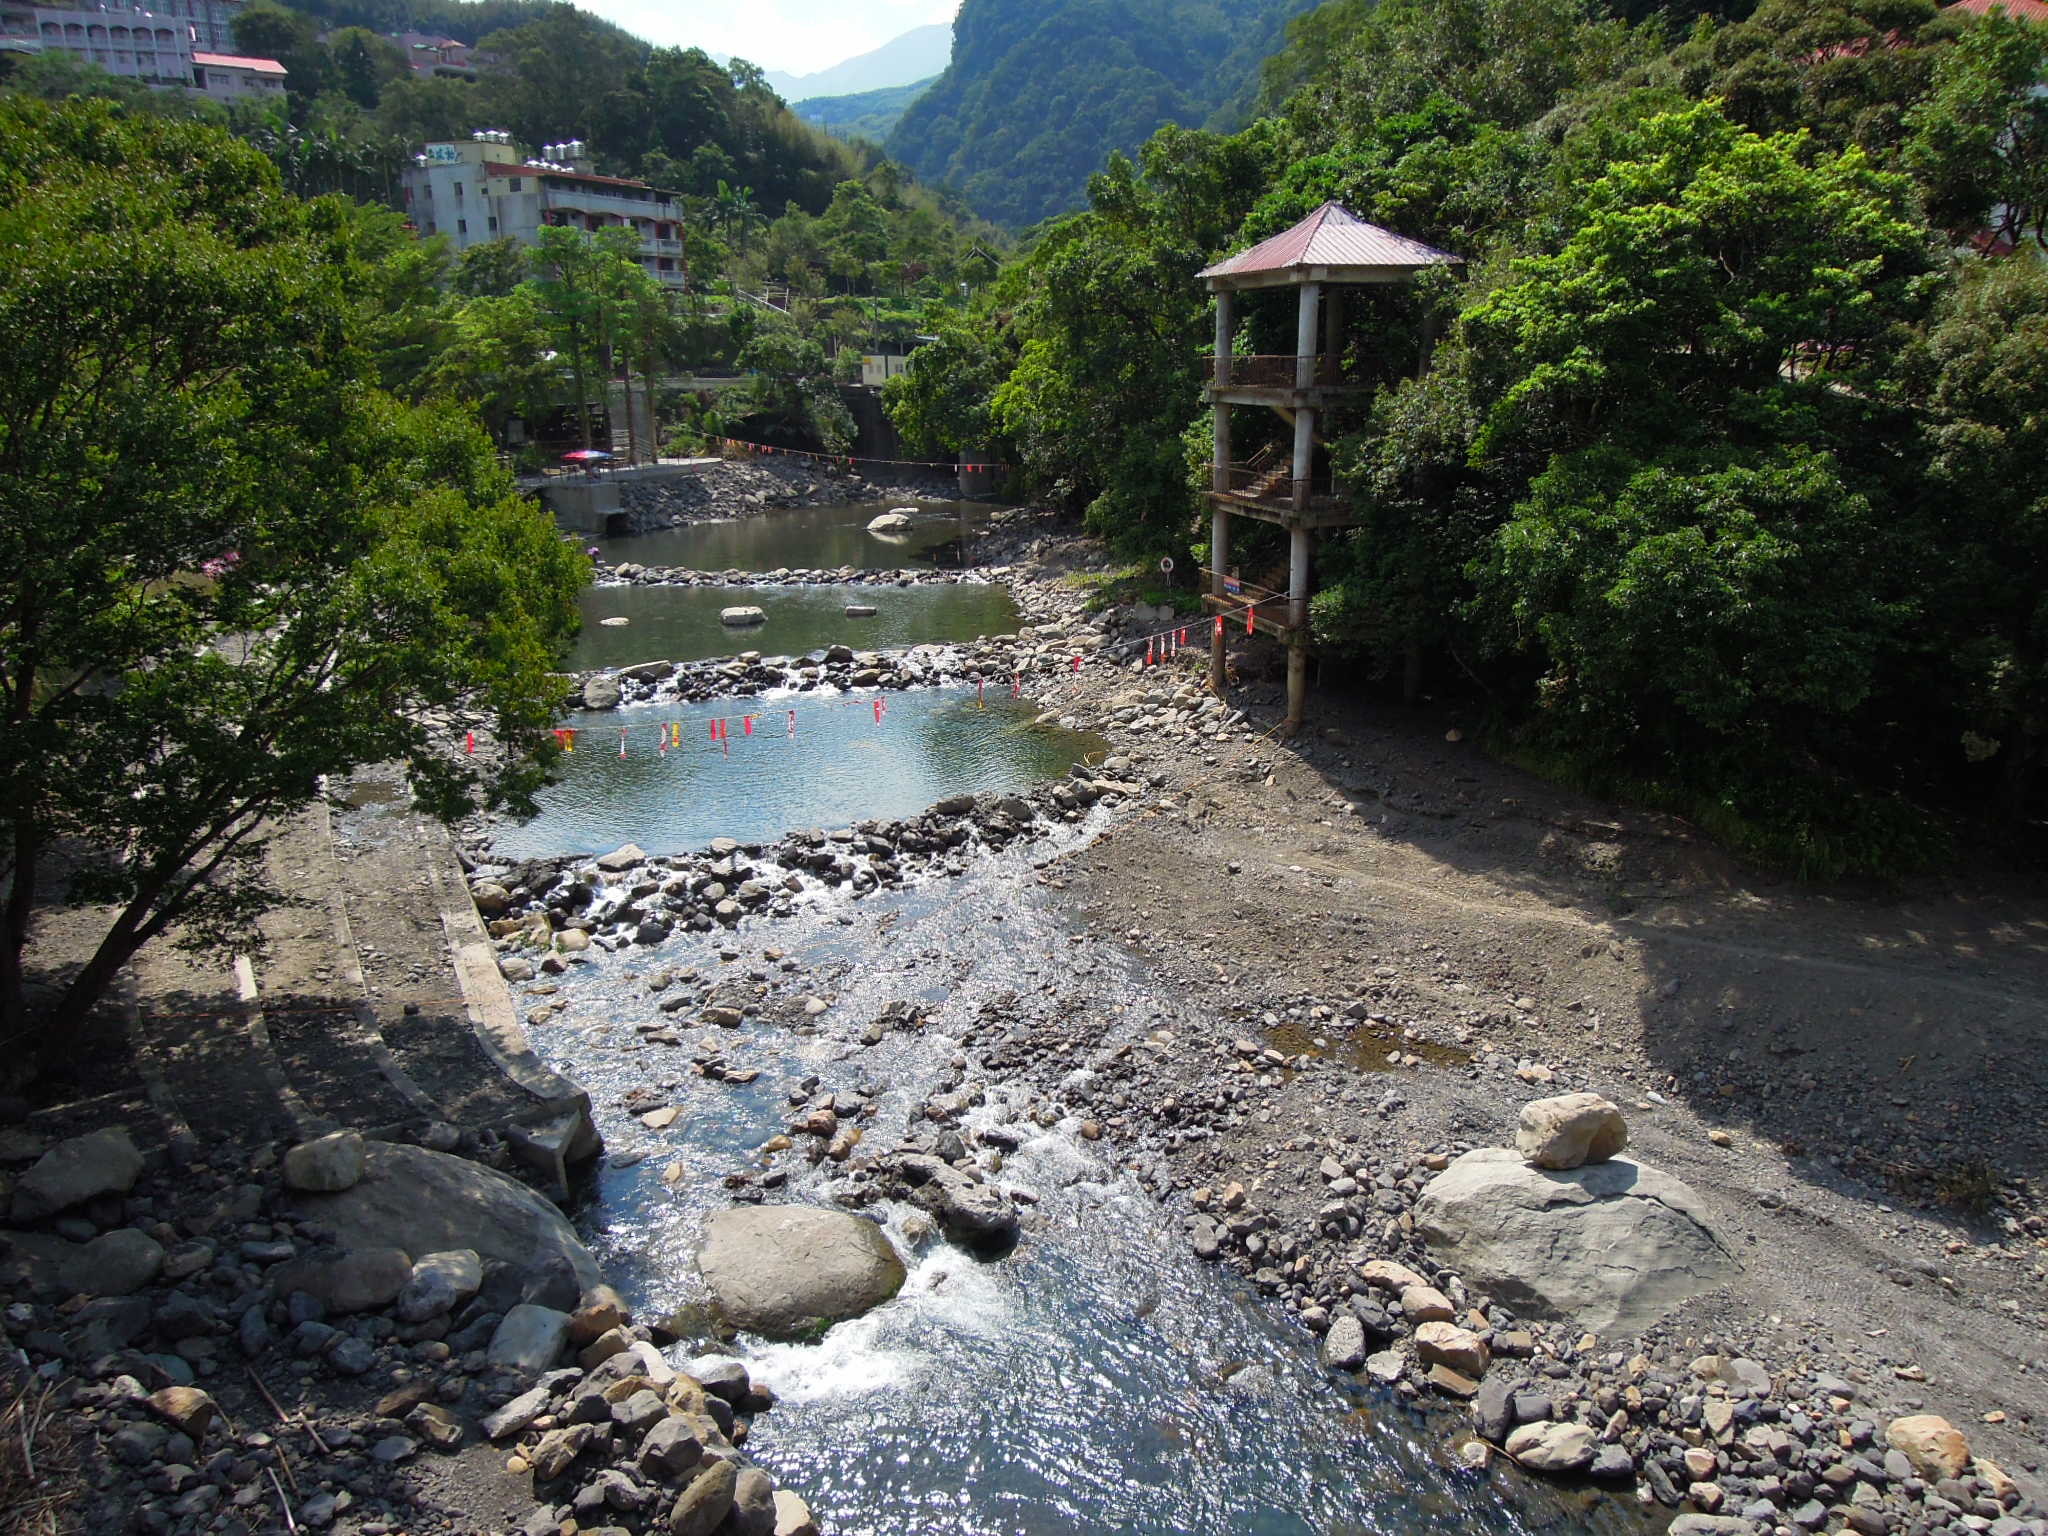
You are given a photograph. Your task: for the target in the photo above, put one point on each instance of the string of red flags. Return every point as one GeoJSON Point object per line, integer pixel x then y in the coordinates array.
{"type": "Point", "coordinates": [1160, 648]}
{"type": "Point", "coordinates": [734, 446]}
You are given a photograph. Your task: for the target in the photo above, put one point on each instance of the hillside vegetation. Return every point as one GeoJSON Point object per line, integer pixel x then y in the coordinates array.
{"type": "Point", "coordinates": [1039, 94]}
{"type": "Point", "coordinates": [870, 115]}
{"type": "Point", "coordinates": [1718, 487]}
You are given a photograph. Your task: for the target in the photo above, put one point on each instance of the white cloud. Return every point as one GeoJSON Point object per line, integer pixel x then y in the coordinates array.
{"type": "Point", "coordinates": [798, 36]}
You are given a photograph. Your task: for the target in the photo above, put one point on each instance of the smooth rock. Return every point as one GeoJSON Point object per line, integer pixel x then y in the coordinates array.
{"type": "Point", "coordinates": [1554, 1448]}
{"type": "Point", "coordinates": [83, 1168]}
{"type": "Point", "coordinates": [1447, 1344]}
{"type": "Point", "coordinates": [434, 1202]}
{"type": "Point", "coordinates": [530, 1339]}
{"type": "Point", "coordinates": [787, 1270]}
{"type": "Point", "coordinates": [601, 693]}
{"type": "Point", "coordinates": [701, 1507]}
{"type": "Point", "coordinates": [1570, 1131]}
{"type": "Point", "coordinates": [116, 1263]}
{"type": "Point", "coordinates": [1614, 1245]}
{"type": "Point", "coordinates": [890, 522]}
{"type": "Point", "coordinates": [793, 1516]}
{"type": "Point", "coordinates": [742, 614]}
{"type": "Point", "coordinates": [440, 1283]}
{"type": "Point", "coordinates": [1935, 1447]}
{"type": "Point", "coordinates": [326, 1164]}
{"type": "Point", "coordinates": [1710, 1525]}
{"type": "Point", "coordinates": [355, 1280]}
{"type": "Point", "coordinates": [753, 1504]}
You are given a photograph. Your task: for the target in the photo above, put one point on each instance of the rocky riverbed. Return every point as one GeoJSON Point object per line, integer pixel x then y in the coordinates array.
{"type": "Point", "coordinates": [1299, 1131]}
{"type": "Point", "coordinates": [749, 487]}
{"type": "Point", "coordinates": [375, 1338]}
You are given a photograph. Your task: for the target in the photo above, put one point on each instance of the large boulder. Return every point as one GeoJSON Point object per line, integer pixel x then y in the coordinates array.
{"type": "Point", "coordinates": [434, 1202]}
{"type": "Point", "coordinates": [601, 693]}
{"type": "Point", "coordinates": [1614, 1245]}
{"type": "Point", "coordinates": [972, 1212]}
{"type": "Point", "coordinates": [72, 1172]}
{"type": "Point", "coordinates": [788, 1270]}
{"type": "Point", "coordinates": [355, 1280]}
{"type": "Point", "coordinates": [742, 614]}
{"type": "Point", "coordinates": [1570, 1131]}
{"type": "Point", "coordinates": [890, 522]}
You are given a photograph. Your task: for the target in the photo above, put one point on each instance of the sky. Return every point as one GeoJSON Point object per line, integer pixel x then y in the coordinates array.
{"type": "Point", "coordinates": [800, 37]}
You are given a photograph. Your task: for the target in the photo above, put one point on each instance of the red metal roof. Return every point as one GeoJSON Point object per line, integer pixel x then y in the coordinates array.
{"type": "Point", "coordinates": [509, 168]}
{"type": "Point", "coordinates": [1334, 236]}
{"type": "Point", "coordinates": [236, 61]}
{"type": "Point", "coordinates": [2018, 10]}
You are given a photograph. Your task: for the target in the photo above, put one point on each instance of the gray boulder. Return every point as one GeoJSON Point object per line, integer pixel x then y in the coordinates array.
{"type": "Point", "coordinates": [1614, 1245]}
{"type": "Point", "coordinates": [1344, 1345]}
{"type": "Point", "coordinates": [72, 1172]}
{"type": "Point", "coordinates": [357, 1280]}
{"type": "Point", "coordinates": [530, 1339]}
{"type": "Point", "coordinates": [740, 615]}
{"type": "Point", "coordinates": [601, 693]}
{"type": "Point", "coordinates": [440, 1283]}
{"type": "Point", "coordinates": [326, 1164]}
{"type": "Point", "coordinates": [1554, 1448]}
{"type": "Point", "coordinates": [435, 1202]}
{"type": "Point", "coordinates": [897, 521]}
{"type": "Point", "coordinates": [788, 1270]}
{"type": "Point", "coordinates": [970, 1211]}
{"type": "Point", "coordinates": [114, 1264]}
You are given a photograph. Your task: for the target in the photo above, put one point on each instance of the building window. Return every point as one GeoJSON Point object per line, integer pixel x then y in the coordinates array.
{"type": "Point", "coordinates": [515, 184]}
{"type": "Point", "coordinates": [494, 221]}
{"type": "Point", "coordinates": [462, 226]}
{"type": "Point", "coordinates": [458, 191]}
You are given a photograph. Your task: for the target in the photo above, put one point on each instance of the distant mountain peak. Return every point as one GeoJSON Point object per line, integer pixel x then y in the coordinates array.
{"type": "Point", "coordinates": [918, 54]}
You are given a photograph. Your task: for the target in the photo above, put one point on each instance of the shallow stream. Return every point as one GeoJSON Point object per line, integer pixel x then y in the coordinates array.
{"type": "Point", "coordinates": [807, 538]}
{"type": "Point", "coordinates": [682, 623]}
{"type": "Point", "coordinates": [1098, 1379]}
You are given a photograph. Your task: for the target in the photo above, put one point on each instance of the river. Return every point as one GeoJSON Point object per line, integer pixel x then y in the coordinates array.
{"type": "Point", "coordinates": [1098, 1379]}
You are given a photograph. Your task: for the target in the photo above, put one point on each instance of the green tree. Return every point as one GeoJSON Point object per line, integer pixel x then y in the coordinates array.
{"type": "Point", "coordinates": [1979, 139]}
{"type": "Point", "coordinates": [231, 565]}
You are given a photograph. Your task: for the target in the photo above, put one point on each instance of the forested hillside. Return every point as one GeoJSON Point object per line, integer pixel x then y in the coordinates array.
{"type": "Point", "coordinates": [1039, 94]}
{"type": "Point", "coordinates": [870, 115]}
{"type": "Point", "coordinates": [1719, 486]}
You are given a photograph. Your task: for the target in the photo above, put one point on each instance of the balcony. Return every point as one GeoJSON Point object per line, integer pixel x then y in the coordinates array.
{"type": "Point", "coordinates": [1278, 380]}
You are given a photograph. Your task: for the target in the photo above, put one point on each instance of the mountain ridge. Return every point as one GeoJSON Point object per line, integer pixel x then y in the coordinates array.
{"type": "Point", "coordinates": [916, 55]}
{"type": "Point", "coordinates": [1039, 93]}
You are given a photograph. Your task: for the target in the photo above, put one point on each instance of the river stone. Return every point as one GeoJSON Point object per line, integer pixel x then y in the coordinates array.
{"type": "Point", "coordinates": [529, 1339]}
{"type": "Point", "coordinates": [601, 693]}
{"type": "Point", "coordinates": [356, 1280]}
{"type": "Point", "coordinates": [890, 522]}
{"type": "Point", "coordinates": [741, 615]}
{"type": "Point", "coordinates": [753, 1503]}
{"type": "Point", "coordinates": [102, 1162]}
{"type": "Point", "coordinates": [1570, 1131]}
{"type": "Point", "coordinates": [705, 1503]}
{"type": "Point", "coordinates": [325, 1165]}
{"type": "Point", "coordinates": [435, 1202]}
{"type": "Point", "coordinates": [1614, 1245]}
{"type": "Point", "coordinates": [1447, 1344]}
{"type": "Point", "coordinates": [114, 1264]}
{"type": "Point", "coordinates": [793, 1516]}
{"type": "Point", "coordinates": [786, 1270]}
{"type": "Point", "coordinates": [440, 1283]}
{"type": "Point", "coordinates": [1936, 1447]}
{"type": "Point", "coordinates": [1344, 1345]}
{"type": "Point", "coordinates": [860, 610]}
{"type": "Point", "coordinates": [1552, 1447]}
{"type": "Point", "coordinates": [1710, 1525]}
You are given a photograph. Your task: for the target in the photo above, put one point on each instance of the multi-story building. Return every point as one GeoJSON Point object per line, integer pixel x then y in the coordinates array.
{"type": "Point", "coordinates": [131, 43]}
{"type": "Point", "coordinates": [228, 77]}
{"type": "Point", "coordinates": [486, 188]}
{"type": "Point", "coordinates": [154, 45]}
